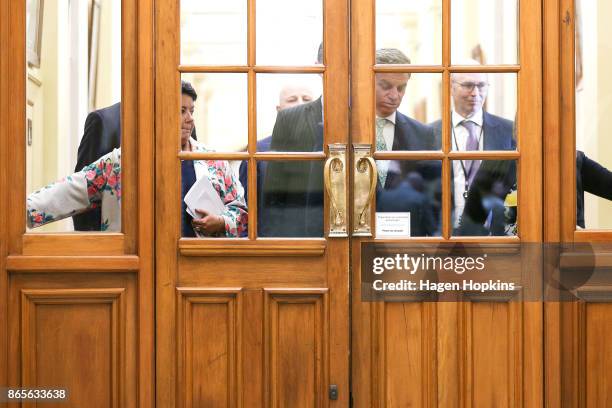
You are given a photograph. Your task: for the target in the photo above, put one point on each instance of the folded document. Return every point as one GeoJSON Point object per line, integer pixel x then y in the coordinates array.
{"type": "Point", "coordinates": [203, 196]}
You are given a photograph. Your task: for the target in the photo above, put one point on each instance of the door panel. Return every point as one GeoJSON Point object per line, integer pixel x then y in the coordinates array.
{"type": "Point", "coordinates": [76, 310]}
{"type": "Point", "coordinates": [473, 352]}
{"type": "Point", "coordinates": [277, 307]}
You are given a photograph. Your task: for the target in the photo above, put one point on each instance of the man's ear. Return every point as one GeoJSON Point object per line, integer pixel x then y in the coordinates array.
{"type": "Point", "coordinates": [278, 108]}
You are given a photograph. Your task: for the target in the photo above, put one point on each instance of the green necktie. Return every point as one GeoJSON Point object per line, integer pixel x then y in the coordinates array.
{"type": "Point", "coordinates": [381, 146]}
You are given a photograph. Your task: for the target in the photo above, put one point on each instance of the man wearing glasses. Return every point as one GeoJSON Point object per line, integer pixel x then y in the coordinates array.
{"type": "Point", "coordinates": [473, 129]}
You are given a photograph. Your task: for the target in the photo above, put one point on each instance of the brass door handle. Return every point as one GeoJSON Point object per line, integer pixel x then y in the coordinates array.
{"type": "Point", "coordinates": [334, 176]}
{"type": "Point", "coordinates": [373, 174]}
{"type": "Point", "coordinates": [366, 177]}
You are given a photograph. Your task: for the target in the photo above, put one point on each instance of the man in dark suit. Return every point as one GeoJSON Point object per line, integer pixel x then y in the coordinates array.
{"type": "Point", "coordinates": [101, 135]}
{"type": "Point", "coordinates": [473, 129]}
{"type": "Point", "coordinates": [396, 131]}
{"type": "Point", "coordinates": [293, 190]}
{"type": "Point", "coordinates": [290, 95]}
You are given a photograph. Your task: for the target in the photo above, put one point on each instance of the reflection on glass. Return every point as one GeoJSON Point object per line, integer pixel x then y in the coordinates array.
{"type": "Point", "coordinates": [412, 190]}
{"type": "Point", "coordinates": [213, 32]}
{"type": "Point", "coordinates": [277, 92]}
{"type": "Point", "coordinates": [289, 32]}
{"type": "Point", "coordinates": [487, 204]}
{"type": "Point", "coordinates": [212, 200]}
{"type": "Point", "coordinates": [220, 113]}
{"type": "Point", "coordinates": [593, 109]}
{"type": "Point", "coordinates": [485, 31]}
{"type": "Point", "coordinates": [404, 104]}
{"type": "Point", "coordinates": [73, 115]}
{"type": "Point", "coordinates": [291, 199]}
{"type": "Point", "coordinates": [415, 28]}
{"type": "Point", "coordinates": [483, 112]}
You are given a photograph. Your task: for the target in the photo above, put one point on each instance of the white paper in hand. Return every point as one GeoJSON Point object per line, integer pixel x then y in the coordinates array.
{"type": "Point", "coordinates": [202, 195]}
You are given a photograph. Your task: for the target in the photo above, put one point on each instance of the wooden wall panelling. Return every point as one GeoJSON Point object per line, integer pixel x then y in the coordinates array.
{"type": "Point", "coordinates": [295, 342]}
{"type": "Point", "coordinates": [209, 338]}
{"type": "Point", "coordinates": [78, 332]}
{"type": "Point", "coordinates": [595, 351]}
{"type": "Point", "coordinates": [75, 339]}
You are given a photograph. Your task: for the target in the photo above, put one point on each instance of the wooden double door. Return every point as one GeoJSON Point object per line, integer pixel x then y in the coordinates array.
{"type": "Point", "coordinates": [274, 319]}
{"type": "Point", "coordinates": [277, 318]}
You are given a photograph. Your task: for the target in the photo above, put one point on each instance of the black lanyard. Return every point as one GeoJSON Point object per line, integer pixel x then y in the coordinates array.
{"type": "Point", "coordinates": [467, 184]}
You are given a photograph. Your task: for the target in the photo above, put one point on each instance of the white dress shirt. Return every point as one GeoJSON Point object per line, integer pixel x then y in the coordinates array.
{"type": "Point", "coordinates": [459, 138]}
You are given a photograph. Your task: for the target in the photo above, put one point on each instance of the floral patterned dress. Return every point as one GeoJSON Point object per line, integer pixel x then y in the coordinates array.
{"type": "Point", "coordinates": [99, 185]}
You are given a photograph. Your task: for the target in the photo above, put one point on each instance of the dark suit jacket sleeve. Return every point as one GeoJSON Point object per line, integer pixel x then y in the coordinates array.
{"type": "Point", "coordinates": [596, 179]}
{"type": "Point", "coordinates": [89, 146]}
{"type": "Point", "coordinates": [274, 186]}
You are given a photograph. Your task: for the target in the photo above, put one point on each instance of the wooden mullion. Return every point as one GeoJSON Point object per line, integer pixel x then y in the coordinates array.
{"type": "Point", "coordinates": [210, 69]}
{"type": "Point", "coordinates": [315, 69]}
{"type": "Point", "coordinates": [483, 155]}
{"type": "Point", "coordinates": [436, 69]}
{"type": "Point", "coordinates": [252, 149]}
{"type": "Point", "coordinates": [251, 33]}
{"type": "Point", "coordinates": [446, 33]}
{"type": "Point", "coordinates": [568, 120]}
{"type": "Point", "coordinates": [129, 123]}
{"type": "Point", "coordinates": [447, 221]}
{"type": "Point", "coordinates": [15, 145]}
{"type": "Point", "coordinates": [394, 68]}
{"type": "Point", "coordinates": [490, 69]}
{"type": "Point", "coordinates": [446, 120]}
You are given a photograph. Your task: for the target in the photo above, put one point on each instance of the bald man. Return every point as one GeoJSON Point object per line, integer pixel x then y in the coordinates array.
{"type": "Point", "coordinates": [291, 94]}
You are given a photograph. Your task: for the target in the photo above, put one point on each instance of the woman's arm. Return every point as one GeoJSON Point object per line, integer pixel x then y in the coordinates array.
{"type": "Point", "coordinates": [232, 194]}
{"type": "Point", "coordinates": [76, 193]}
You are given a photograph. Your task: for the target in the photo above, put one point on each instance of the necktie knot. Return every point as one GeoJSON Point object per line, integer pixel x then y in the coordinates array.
{"type": "Point", "coordinates": [380, 124]}
{"type": "Point", "coordinates": [469, 125]}
{"type": "Point", "coordinates": [472, 142]}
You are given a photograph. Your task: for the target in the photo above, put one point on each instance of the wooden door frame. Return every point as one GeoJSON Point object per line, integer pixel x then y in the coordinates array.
{"type": "Point", "coordinates": [129, 252]}
{"type": "Point", "coordinates": [565, 345]}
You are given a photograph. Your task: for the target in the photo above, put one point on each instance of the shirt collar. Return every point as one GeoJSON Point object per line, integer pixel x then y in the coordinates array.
{"type": "Point", "coordinates": [476, 118]}
{"type": "Point", "coordinates": [390, 118]}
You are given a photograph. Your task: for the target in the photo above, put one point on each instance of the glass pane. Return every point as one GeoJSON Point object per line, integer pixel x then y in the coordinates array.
{"type": "Point", "coordinates": [409, 202]}
{"type": "Point", "coordinates": [289, 32]}
{"type": "Point", "coordinates": [593, 110]}
{"type": "Point", "coordinates": [483, 111]}
{"type": "Point", "coordinates": [484, 32]}
{"type": "Point", "coordinates": [213, 33]}
{"type": "Point", "coordinates": [219, 120]}
{"type": "Point", "coordinates": [277, 92]}
{"type": "Point", "coordinates": [212, 200]}
{"type": "Point", "coordinates": [73, 115]}
{"type": "Point", "coordinates": [291, 199]}
{"type": "Point", "coordinates": [415, 28]}
{"type": "Point", "coordinates": [404, 104]}
{"type": "Point", "coordinates": [488, 206]}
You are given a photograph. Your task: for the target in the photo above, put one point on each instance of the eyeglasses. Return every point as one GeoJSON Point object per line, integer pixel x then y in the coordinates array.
{"type": "Point", "coordinates": [469, 86]}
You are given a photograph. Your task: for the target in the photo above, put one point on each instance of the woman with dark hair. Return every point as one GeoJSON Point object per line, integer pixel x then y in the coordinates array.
{"type": "Point", "coordinates": [99, 185]}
